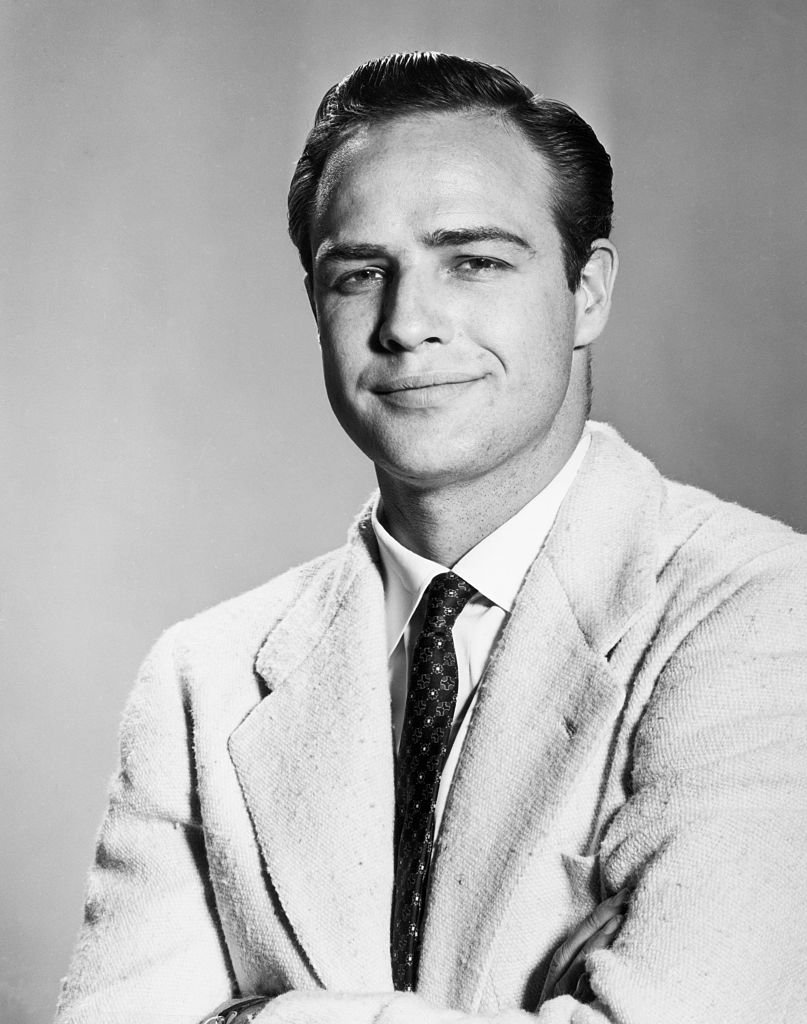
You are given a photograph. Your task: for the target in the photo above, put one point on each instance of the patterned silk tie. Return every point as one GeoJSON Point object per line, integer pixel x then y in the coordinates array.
{"type": "Point", "coordinates": [422, 754]}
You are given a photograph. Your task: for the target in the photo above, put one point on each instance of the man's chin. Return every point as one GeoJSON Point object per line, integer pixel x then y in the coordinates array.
{"type": "Point", "coordinates": [427, 472]}
{"type": "Point", "coordinates": [422, 452]}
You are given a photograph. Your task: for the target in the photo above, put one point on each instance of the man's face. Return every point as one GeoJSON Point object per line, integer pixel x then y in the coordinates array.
{"type": "Point", "coordinates": [445, 320]}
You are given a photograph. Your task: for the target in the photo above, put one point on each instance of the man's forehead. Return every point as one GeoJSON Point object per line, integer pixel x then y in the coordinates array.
{"type": "Point", "coordinates": [451, 162]}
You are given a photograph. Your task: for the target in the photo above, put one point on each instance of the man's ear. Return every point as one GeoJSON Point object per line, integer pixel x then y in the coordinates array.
{"type": "Point", "coordinates": [309, 291]}
{"type": "Point", "coordinates": [592, 299]}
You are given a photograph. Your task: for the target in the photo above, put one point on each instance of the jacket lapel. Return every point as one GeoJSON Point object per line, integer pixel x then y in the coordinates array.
{"type": "Point", "coordinates": [315, 763]}
{"type": "Point", "coordinates": [548, 700]}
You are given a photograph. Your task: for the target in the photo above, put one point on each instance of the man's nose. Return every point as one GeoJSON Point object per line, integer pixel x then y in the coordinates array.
{"type": "Point", "coordinates": [413, 313]}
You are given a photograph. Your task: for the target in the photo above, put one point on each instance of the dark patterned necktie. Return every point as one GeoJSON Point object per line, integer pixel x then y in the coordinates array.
{"type": "Point", "coordinates": [429, 715]}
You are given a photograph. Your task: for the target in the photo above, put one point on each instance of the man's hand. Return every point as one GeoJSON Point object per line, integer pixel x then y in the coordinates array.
{"type": "Point", "coordinates": [567, 969]}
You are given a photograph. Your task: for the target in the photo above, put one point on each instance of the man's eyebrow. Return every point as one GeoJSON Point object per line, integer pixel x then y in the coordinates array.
{"type": "Point", "coordinates": [345, 252]}
{"type": "Point", "coordinates": [468, 236]}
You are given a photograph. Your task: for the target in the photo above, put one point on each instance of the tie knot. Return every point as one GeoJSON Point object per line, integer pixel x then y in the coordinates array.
{"type": "Point", "coordinates": [446, 596]}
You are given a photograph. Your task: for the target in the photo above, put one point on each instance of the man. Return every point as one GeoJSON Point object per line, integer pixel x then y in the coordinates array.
{"type": "Point", "coordinates": [539, 683]}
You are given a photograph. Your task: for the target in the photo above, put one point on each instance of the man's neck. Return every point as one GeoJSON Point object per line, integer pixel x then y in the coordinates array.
{"type": "Point", "coordinates": [443, 522]}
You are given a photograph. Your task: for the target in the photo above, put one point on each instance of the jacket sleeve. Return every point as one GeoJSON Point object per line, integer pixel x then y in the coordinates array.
{"type": "Point", "coordinates": [712, 838]}
{"type": "Point", "coordinates": [150, 946]}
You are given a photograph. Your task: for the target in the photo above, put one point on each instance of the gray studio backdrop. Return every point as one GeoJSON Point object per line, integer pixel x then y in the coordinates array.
{"type": "Point", "coordinates": [166, 440]}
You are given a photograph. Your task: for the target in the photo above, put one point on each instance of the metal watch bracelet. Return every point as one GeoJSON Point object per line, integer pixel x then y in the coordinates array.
{"type": "Point", "coordinates": [238, 1011]}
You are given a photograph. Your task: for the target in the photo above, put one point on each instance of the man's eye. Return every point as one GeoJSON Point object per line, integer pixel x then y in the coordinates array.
{"type": "Point", "coordinates": [479, 266]}
{"type": "Point", "coordinates": [357, 281]}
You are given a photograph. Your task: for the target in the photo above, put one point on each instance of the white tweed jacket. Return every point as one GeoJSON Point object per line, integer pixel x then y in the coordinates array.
{"type": "Point", "coordinates": [641, 722]}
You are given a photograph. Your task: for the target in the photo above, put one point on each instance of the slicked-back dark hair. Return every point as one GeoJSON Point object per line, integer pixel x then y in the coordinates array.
{"type": "Point", "coordinates": [403, 84]}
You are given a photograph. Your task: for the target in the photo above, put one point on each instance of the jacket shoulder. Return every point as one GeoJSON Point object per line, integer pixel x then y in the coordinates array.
{"type": "Point", "coordinates": [236, 627]}
{"type": "Point", "coordinates": [252, 614]}
{"type": "Point", "coordinates": [708, 538]}
{"type": "Point", "coordinates": [685, 519]}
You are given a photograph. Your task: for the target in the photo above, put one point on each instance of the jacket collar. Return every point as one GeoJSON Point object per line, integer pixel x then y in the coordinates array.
{"type": "Point", "coordinates": [604, 545]}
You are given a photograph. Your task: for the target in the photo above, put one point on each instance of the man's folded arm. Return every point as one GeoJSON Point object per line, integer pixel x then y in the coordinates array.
{"type": "Point", "coordinates": [150, 946]}
{"type": "Point", "coordinates": [710, 841]}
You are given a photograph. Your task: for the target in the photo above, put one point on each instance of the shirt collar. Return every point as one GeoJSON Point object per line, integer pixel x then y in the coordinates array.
{"type": "Point", "coordinates": [495, 567]}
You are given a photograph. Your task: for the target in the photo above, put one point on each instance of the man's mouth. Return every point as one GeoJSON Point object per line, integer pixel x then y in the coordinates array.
{"type": "Point", "coordinates": [425, 390]}
{"type": "Point", "coordinates": [418, 381]}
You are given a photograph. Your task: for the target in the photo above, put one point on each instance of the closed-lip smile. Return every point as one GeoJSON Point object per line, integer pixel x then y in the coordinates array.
{"type": "Point", "coordinates": [420, 392]}
{"type": "Point", "coordinates": [415, 381]}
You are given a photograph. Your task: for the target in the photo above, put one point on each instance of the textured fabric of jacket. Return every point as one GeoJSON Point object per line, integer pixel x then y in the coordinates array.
{"type": "Point", "coordinates": [641, 722]}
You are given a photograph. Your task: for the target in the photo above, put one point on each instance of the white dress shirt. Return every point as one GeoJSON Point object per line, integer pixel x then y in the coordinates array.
{"type": "Point", "coordinates": [495, 568]}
